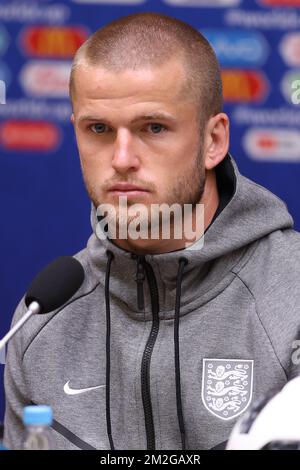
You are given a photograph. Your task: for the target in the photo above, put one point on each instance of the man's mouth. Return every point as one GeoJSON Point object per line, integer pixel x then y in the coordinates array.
{"type": "Point", "coordinates": [125, 189]}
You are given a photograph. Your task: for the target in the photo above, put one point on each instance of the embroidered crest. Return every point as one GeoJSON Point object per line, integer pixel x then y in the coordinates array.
{"type": "Point", "coordinates": [227, 386]}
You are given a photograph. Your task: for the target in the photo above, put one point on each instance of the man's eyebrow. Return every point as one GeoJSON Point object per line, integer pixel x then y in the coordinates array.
{"type": "Point", "coordinates": [154, 116]}
{"type": "Point", "coordinates": [144, 117]}
{"type": "Point", "coordinates": [89, 118]}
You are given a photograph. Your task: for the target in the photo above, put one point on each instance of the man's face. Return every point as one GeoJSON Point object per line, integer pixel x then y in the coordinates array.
{"type": "Point", "coordinates": [137, 127]}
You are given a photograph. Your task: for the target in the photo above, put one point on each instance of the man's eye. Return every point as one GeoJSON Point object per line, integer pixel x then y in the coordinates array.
{"type": "Point", "coordinates": [156, 128]}
{"type": "Point", "coordinates": [98, 128]}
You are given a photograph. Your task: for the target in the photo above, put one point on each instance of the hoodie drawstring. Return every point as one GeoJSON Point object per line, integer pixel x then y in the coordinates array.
{"type": "Point", "coordinates": [110, 257]}
{"type": "Point", "coordinates": [182, 263]}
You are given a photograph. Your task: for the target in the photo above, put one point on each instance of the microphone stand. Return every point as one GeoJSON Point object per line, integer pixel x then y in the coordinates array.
{"type": "Point", "coordinates": [33, 308]}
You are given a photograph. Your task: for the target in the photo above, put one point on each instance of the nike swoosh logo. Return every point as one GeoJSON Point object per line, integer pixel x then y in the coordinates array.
{"type": "Point", "coordinates": [76, 391]}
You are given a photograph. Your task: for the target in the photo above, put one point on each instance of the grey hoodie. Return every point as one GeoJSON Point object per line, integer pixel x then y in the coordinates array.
{"type": "Point", "coordinates": [165, 351]}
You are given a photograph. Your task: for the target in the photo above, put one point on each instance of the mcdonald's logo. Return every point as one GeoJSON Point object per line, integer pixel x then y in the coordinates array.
{"type": "Point", "coordinates": [244, 85]}
{"type": "Point", "coordinates": [52, 41]}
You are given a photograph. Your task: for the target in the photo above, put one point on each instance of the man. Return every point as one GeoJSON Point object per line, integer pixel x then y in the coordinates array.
{"type": "Point", "coordinates": [167, 341]}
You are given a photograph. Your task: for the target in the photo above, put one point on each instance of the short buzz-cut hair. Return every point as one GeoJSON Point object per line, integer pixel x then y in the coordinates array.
{"type": "Point", "coordinates": [151, 39]}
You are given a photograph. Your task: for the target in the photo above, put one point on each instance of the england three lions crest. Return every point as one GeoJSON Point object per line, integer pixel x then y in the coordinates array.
{"type": "Point", "coordinates": [227, 386]}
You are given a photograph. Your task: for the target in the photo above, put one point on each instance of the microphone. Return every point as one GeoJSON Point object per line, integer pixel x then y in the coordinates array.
{"type": "Point", "coordinates": [50, 289]}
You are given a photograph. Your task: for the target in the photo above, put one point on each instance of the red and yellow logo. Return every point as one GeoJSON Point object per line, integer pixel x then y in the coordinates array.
{"type": "Point", "coordinates": [53, 41]}
{"type": "Point", "coordinates": [244, 85]}
{"type": "Point", "coordinates": [29, 135]}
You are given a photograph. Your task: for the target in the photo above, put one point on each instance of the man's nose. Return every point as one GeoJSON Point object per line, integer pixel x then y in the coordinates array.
{"type": "Point", "coordinates": [124, 156]}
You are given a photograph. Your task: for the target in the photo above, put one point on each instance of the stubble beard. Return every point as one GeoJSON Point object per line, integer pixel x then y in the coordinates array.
{"type": "Point", "coordinates": [188, 189]}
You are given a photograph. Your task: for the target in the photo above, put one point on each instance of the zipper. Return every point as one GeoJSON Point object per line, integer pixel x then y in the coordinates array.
{"type": "Point", "coordinates": [146, 360]}
{"type": "Point", "coordinates": [144, 267]}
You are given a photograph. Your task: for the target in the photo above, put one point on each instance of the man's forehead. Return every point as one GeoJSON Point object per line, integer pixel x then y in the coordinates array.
{"type": "Point", "coordinates": [96, 82]}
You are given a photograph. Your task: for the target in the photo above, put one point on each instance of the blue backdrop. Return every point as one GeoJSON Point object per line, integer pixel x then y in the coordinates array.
{"type": "Point", "coordinates": [44, 207]}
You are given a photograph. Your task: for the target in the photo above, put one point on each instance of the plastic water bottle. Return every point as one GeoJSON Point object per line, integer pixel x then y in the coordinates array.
{"type": "Point", "coordinates": [37, 420]}
{"type": "Point", "coordinates": [1, 437]}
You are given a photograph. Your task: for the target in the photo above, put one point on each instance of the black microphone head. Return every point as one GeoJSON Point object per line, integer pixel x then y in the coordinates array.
{"type": "Point", "coordinates": [55, 284]}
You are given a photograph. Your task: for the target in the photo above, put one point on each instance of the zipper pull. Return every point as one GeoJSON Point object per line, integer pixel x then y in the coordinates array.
{"type": "Point", "coordinates": [140, 277]}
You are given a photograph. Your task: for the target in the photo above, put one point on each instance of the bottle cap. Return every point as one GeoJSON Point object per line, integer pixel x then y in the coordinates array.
{"type": "Point", "coordinates": [37, 414]}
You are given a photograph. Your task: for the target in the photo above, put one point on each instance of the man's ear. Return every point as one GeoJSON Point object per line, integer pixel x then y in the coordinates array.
{"type": "Point", "coordinates": [72, 119]}
{"type": "Point", "coordinates": [216, 140]}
